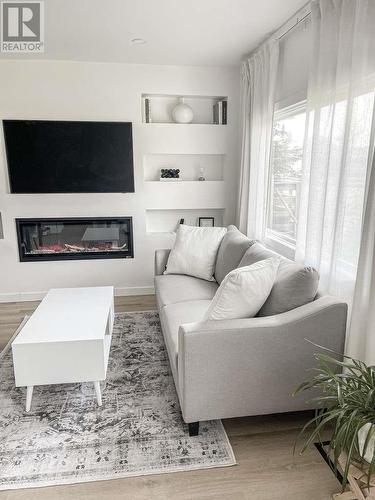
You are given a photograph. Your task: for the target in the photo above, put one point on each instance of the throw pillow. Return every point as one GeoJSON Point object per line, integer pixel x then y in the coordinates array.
{"type": "Point", "coordinates": [243, 291]}
{"type": "Point", "coordinates": [231, 251]}
{"type": "Point", "coordinates": [195, 251]}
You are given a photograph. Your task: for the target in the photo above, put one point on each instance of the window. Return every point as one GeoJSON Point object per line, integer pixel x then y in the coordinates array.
{"type": "Point", "coordinates": [285, 175]}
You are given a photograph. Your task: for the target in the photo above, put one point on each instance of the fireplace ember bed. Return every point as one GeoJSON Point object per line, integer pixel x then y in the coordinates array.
{"type": "Point", "coordinates": [75, 238]}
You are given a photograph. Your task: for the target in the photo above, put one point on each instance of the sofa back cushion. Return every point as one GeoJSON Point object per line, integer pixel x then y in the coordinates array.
{"type": "Point", "coordinates": [231, 251]}
{"type": "Point", "coordinates": [295, 285]}
{"type": "Point", "coordinates": [195, 251]}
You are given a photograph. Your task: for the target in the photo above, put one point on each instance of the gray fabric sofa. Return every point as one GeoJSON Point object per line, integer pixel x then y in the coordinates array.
{"type": "Point", "coordinates": [239, 367]}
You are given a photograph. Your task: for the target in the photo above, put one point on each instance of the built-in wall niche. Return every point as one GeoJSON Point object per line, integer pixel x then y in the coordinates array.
{"type": "Point", "coordinates": [157, 108]}
{"type": "Point", "coordinates": [191, 166]}
{"type": "Point", "coordinates": [167, 221]}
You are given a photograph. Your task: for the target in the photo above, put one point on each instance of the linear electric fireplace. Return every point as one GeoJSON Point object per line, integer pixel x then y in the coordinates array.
{"type": "Point", "coordinates": [78, 238]}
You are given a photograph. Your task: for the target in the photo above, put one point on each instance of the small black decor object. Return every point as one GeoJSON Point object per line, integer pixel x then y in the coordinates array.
{"type": "Point", "coordinates": [170, 173]}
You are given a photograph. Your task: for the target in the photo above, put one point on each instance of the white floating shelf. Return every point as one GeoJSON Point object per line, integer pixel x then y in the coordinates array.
{"type": "Point", "coordinates": [186, 181]}
{"type": "Point", "coordinates": [189, 165]}
{"type": "Point", "coordinates": [167, 221]}
{"type": "Point", "coordinates": [169, 179]}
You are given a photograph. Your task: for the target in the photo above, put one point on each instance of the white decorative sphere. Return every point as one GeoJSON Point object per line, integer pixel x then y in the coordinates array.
{"type": "Point", "coordinates": [182, 113]}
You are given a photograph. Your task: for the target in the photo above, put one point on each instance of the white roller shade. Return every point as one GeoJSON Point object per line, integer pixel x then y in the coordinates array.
{"type": "Point", "coordinates": [292, 77]}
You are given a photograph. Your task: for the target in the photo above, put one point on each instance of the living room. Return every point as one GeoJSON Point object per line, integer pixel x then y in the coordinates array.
{"type": "Point", "coordinates": [187, 233]}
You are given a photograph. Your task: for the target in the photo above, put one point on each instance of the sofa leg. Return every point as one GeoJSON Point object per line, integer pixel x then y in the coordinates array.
{"type": "Point", "coordinates": [193, 429]}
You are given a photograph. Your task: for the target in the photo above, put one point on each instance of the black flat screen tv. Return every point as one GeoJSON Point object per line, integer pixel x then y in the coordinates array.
{"type": "Point", "coordinates": [69, 156]}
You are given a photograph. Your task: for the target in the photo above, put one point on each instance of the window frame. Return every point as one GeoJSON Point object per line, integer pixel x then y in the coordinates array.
{"type": "Point", "coordinates": [282, 244]}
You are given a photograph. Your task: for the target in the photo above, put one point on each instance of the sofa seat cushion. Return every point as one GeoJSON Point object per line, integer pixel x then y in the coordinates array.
{"type": "Point", "coordinates": [175, 315]}
{"type": "Point", "coordinates": [231, 250]}
{"type": "Point", "coordinates": [173, 288]}
{"type": "Point", "coordinates": [295, 285]}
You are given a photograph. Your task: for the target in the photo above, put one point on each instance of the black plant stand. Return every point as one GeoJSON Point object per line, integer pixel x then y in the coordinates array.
{"type": "Point", "coordinates": [321, 447]}
{"type": "Point", "coordinates": [357, 479]}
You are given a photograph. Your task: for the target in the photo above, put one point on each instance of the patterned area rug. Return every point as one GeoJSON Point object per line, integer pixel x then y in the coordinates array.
{"type": "Point", "coordinates": [67, 438]}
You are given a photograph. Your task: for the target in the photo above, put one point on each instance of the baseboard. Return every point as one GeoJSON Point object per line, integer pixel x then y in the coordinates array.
{"type": "Point", "coordinates": [136, 290]}
{"type": "Point", "coordinates": [30, 296]}
{"type": "Point", "coordinates": [21, 296]}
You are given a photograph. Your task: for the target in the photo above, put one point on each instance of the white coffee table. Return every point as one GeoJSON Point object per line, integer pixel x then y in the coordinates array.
{"type": "Point", "coordinates": [66, 340]}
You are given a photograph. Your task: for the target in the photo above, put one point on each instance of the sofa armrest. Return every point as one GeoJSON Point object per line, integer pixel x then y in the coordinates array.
{"type": "Point", "coordinates": [161, 259]}
{"type": "Point", "coordinates": [251, 366]}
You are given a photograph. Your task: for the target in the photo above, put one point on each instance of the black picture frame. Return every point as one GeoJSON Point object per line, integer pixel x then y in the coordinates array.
{"type": "Point", "coordinates": [210, 222]}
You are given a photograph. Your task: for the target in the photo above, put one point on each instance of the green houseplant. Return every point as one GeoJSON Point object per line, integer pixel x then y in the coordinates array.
{"type": "Point", "coordinates": [346, 409]}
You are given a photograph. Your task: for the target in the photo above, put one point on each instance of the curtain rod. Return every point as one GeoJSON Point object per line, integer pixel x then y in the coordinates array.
{"type": "Point", "coordinates": [298, 21]}
{"type": "Point", "coordinates": [297, 18]}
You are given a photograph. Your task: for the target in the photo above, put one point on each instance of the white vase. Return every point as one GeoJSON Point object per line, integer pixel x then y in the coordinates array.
{"type": "Point", "coordinates": [182, 113]}
{"type": "Point", "coordinates": [362, 435]}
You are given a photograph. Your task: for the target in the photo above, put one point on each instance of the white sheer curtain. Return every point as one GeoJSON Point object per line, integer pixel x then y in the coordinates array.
{"type": "Point", "coordinates": [361, 335]}
{"type": "Point", "coordinates": [339, 131]}
{"type": "Point", "coordinates": [258, 75]}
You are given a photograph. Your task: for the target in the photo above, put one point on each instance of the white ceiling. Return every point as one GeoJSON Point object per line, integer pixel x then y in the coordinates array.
{"type": "Point", "coordinates": [181, 32]}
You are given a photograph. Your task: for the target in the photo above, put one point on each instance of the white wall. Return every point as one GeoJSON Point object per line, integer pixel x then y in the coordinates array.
{"type": "Point", "coordinates": [96, 91]}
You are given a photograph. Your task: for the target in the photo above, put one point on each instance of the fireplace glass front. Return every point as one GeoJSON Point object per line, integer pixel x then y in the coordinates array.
{"type": "Point", "coordinates": [63, 239]}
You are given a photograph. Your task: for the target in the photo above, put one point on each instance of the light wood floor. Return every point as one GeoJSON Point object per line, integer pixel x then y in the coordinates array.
{"type": "Point", "coordinates": [266, 470]}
